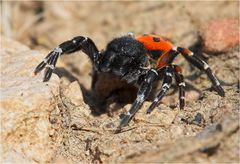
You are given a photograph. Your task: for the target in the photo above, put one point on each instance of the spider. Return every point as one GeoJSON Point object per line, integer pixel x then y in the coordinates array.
{"type": "Point", "coordinates": [140, 60]}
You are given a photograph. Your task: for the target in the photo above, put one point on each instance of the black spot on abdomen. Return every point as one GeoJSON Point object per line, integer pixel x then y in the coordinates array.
{"type": "Point", "coordinates": [155, 39]}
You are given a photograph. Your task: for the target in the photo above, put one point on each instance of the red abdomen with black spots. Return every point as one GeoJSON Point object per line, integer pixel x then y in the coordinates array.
{"type": "Point", "coordinates": [158, 48]}
{"type": "Point", "coordinates": [154, 42]}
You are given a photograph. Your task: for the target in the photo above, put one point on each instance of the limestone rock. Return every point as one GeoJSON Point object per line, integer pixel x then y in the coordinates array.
{"type": "Point", "coordinates": [27, 136]}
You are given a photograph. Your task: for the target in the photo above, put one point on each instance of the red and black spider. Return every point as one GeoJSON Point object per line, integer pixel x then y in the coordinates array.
{"type": "Point", "coordinates": [141, 60]}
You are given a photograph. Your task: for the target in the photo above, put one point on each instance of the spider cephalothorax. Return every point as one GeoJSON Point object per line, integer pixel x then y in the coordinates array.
{"type": "Point", "coordinates": [124, 57]}
{"type": "Point", "coordinates": [140, 60]}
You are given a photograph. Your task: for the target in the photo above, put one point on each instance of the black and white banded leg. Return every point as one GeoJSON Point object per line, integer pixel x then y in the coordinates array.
{"type": "Point", "coordinates": [167, 81]}
{"type": "Point", "coordinates": [143, 92]}
{"type": "Point", "coordinates": [202, 65]}
{"type": "Point", "coordinates": [181, 84]}
{"type": "Point", "coordinates": [77, 43]}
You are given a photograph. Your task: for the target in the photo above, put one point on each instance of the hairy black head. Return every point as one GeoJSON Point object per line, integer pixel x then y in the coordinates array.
{"type": "Point", "coordinates": [123, 55]}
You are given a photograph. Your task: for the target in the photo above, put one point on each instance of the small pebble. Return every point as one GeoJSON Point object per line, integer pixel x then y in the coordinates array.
{"type": "Point", "coordinates": [198, 118]}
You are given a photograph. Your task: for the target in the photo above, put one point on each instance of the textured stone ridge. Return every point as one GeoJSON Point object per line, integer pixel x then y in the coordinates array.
{"type": "Point", "coordinates": [26, 133]}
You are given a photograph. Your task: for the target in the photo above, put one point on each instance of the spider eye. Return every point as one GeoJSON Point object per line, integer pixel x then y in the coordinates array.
{"type": "Point", "coordinates": [131, 34]}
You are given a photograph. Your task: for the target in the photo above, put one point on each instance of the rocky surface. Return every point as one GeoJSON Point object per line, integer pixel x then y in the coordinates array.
{"type": "Point", "coordinates": [85, 119]}
{"type": "Point", "coordinates": [26, 134]}
{"type": "Point", "coordinates": [211, 140]}
{"type": "Point", "coordinates": [170, 133]}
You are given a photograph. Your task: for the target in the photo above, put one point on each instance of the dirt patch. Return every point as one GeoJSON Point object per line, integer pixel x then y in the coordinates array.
{"type": "Point", "coordinates": [168, 134]}
{"type": "Point", "coordinates": [91, 138]}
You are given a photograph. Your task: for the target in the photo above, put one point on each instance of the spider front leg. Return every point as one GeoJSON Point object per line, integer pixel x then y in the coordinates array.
{"type": "Point", "coordinates": [77, 43]}
{"type": "Point", "coordinates": [143, 92]}
{"type": "Point", "coordinates": [202, 65]}
{"type": "Point", "coordinates": [167, 81]}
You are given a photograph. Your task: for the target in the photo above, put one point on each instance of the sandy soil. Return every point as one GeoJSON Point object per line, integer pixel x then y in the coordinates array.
{"type": "Point", "coordinates": [168, 134]}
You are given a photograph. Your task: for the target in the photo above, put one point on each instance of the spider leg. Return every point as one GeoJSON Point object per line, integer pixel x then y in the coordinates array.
{"type": "Point", "coordinates": [77, 43]}
{"type": "Point", "coordinates": [181, 84]}
{"type": "Point", "coordinates": [167, 81]}
{"type": "Point", "coordinates": [202, 65]}
{"type": "Point", "coordinates": [143, 92]}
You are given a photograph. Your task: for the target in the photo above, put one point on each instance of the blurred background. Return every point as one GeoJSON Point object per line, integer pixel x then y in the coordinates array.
{"type": "Point", "coordinates": [42, 25]}
{"type": "Point", "coordinates": [46, 24]}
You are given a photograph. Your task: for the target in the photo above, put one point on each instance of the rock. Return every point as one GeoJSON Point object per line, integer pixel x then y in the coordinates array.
{"type": "Point", "coordinates": [220, 35]}
{"type": "Point", "coordinates": [27, 136]}
{"type": "Point", "coordinates": [74, 93]}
